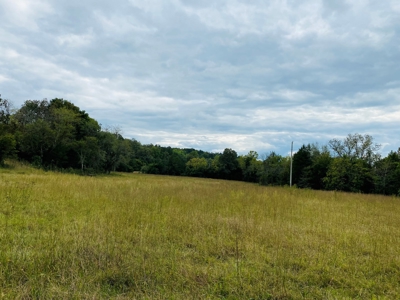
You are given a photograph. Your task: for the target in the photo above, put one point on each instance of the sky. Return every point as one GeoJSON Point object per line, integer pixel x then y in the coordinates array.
{"type": "Point", "coordinates": [247, 75]}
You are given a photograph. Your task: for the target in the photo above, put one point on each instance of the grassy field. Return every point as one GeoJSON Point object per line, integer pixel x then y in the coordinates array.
{"type": "Point", "coordinates": [134, 236]}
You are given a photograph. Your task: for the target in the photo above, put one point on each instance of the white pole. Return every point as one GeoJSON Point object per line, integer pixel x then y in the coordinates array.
{"type": "Point", "coordinates": [291, 164]}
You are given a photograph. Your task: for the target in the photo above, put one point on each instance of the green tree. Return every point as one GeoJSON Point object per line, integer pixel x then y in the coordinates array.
{"type": "Point", "coordinates": [31, 111]}
{"type": "Point", "coordinates": [213, 170]}
{"type": "Point", "coordinates": [176, 163]}
{"type": "Point", "coordinates": [387, 173]}
{"type": "Point", "coordinates": [250, 166]}
{"type": "Point", "coordinates": [302, 163]}
{"type": "Point", "coordinates": [197, 167]}
{"type": "Point", "coordinates": [229, 165]}
{"type": "Point", "coordinates": [349, 175]}
{"type": "Point", "coordinates": [48, 132]}
{"type": "Point", "coordinates": [7, 140]}
{"type": "Point", "coordinates": [321, 161]}
{"type": "Point", "coordinates": [63, 124]}
{"type": "Point", "coordinates": [134, 161]}
{"type": "Point", "coordinates": [192, 154]}
{"type": "Point", "coordinates": [275, 170]}
{"type": "Point", "coordinates": [315, 165]}
{"type": "Point", "coordinates": [115, 149]}
{"type": "Point", "coordinates": [83, 126]}
{"type": "Point", "coordinates": [35, 142]}
{"type": "Point", "coordinates": [5, 113]}
{"type": "Point", "coordinates": [89, 152]}
{"type": "Point", "coordinates": [7, 147]}
{"type": "Point", "coordinates": [356, 146]}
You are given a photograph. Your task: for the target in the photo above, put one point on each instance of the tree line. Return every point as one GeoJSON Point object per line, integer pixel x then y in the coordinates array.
{"type": "Point", "coordinates": [57, 135]}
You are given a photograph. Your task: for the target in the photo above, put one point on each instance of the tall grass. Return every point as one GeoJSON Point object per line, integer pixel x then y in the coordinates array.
{"type": "Point", "coordinates": [134, 236]}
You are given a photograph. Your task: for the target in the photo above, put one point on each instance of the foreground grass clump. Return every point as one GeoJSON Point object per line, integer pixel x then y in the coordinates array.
{"type": "Point", "coordinates": [134, 236]}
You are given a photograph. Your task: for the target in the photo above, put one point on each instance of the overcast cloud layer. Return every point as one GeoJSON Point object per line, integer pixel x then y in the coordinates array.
{"type": "Point", "coordinates": [247, 75]}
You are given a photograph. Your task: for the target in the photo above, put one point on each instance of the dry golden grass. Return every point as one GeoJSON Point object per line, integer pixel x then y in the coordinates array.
{"type": "Point", "coordinates": [134, 236]}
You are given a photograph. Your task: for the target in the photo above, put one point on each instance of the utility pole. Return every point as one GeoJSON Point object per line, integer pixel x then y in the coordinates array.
{"type": "Point", "coordinates": [291, 164]}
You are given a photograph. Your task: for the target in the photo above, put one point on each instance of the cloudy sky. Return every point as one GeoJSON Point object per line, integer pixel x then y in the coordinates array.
{"type": "Point", "coordinates": [212, 74]}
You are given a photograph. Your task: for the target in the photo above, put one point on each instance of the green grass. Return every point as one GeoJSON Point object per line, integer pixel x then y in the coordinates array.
{"type": "Point", "coordinates": [136, 236]}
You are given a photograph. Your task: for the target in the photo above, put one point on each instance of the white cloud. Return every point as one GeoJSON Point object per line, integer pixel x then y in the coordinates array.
{"type": "Point", "coordinates": [249, 75]}
{"type": "Point", "coordinates": [215, 142]}
{"type": "Point", "coordinates": [75, 40]}
{"type": "Point", "coordinates": [3, 78]}
{"type": "Point", "coordinates": [25, 13]}
{"type": "Point", "coordinates": [121, 25]}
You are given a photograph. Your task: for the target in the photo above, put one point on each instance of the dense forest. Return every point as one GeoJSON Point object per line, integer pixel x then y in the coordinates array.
{"type": "Point", "coordinates": [57, 135]}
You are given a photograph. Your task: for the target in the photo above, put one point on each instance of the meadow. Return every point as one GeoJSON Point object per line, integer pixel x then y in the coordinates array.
{"type": "Point", "coordinates": [136, 236]}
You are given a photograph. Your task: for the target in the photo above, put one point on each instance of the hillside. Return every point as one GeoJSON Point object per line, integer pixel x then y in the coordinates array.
{"type": "Point", "coordinates": [128, 236]}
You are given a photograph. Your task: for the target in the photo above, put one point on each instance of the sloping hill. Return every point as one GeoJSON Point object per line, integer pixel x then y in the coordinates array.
{"type": "Point", "coordinates": [138, 236]}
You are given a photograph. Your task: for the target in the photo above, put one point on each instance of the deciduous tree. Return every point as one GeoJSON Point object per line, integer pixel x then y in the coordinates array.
{"type": "Point", "coordinates": [356, 146]}
{"type": "Point", "coordinates": [7, 147]}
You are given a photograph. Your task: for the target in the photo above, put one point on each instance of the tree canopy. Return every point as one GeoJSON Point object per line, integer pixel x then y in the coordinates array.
{"type": "Point", "coordinates": [58, 135]}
